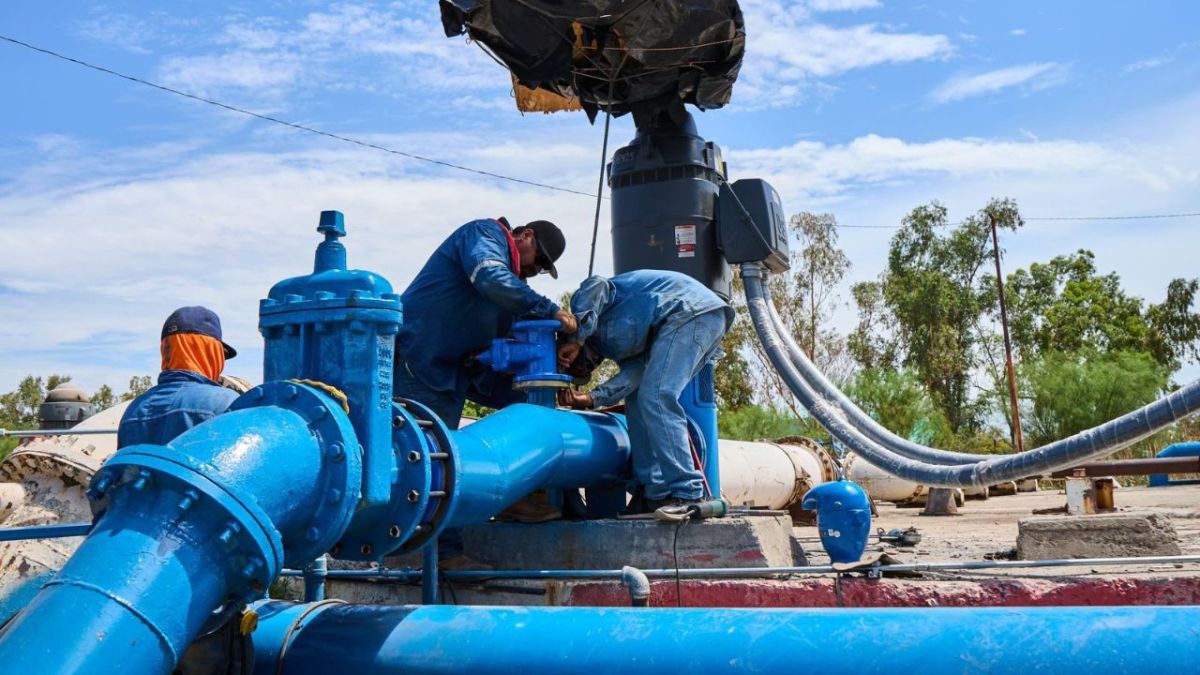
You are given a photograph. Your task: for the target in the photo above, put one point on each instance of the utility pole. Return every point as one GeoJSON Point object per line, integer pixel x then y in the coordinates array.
{"type": "Point", "coordinates": [1018, 441]}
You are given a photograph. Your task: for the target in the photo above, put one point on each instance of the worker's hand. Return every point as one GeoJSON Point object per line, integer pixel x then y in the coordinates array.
{"type": "Point", "coordinates": [567, 352]}
{"type": "Point", "coordinates": [573, 398]}
{"type": "Point", "coordinates": [569, 324]}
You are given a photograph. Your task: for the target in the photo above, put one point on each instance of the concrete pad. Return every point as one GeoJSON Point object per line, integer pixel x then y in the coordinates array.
{"type": "Point", "coordinates": [1096, 536]}
{"type": "Point", "coordinates": [741, 541]}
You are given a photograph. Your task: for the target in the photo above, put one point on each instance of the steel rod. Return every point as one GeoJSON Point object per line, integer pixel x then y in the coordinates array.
{"type": "Point", "coordinates": [44, 531]}
{"type": "Point", "coordinates": [30, 433]}
{"type": "Point", "coordinates": [718, 572]}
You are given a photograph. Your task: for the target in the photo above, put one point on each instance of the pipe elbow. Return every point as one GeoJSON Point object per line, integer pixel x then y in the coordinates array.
{"type": "Point", "coordinates": [638, 584]}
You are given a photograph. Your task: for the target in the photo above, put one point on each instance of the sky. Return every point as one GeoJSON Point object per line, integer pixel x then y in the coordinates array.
{"type": "Point", "coordinates": [120, 202]}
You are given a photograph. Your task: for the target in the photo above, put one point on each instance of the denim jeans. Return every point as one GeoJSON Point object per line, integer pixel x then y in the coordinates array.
{"type": "Point", "coordinates": [662, 457]}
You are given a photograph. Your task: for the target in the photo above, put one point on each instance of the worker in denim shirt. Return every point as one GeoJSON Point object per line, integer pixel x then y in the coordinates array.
{"type": "Point", "coordinates": [187, 392]}
{"type": "Point", "coordinates": [469, 293]}
{"type": "Point", "coordinates": [661, 328]}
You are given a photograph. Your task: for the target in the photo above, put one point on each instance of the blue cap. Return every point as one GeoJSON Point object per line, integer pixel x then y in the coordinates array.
{"type": "Point", "coordinates": [198, 320]}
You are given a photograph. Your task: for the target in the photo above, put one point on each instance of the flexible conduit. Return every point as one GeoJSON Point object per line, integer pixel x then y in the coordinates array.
{"type": "Point", "coordinates": [1101, 440]}
{"type": "Point", "coordinates": [864, 422]}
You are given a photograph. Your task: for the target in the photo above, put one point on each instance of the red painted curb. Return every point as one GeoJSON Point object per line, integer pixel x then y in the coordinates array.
{"type": "Point", "coordinates": [860, 592]}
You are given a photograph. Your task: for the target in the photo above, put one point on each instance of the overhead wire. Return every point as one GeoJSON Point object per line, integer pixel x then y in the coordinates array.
{"type": "Point", "coordinates": [294, 125]}
{"type": "Point", "coordinates": [483, 172]}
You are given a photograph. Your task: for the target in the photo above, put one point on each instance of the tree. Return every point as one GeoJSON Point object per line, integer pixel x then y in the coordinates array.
{"type": "Point", "coordinates": [934, 292]}
{"type": "Point", "coordinates": [138, 384]}
{"type": "Point", "coordinates": [898, 401]}
{"type": "Point", "coordinates": [1067, 393]}
{"type": "Point", "coordinates": [1065, 306]}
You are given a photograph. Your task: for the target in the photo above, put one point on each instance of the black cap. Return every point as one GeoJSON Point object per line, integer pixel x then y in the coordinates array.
{"type": "Point", "coordinates": [198, 320]}
{"type": "Point", "coordinates": [550, 244]}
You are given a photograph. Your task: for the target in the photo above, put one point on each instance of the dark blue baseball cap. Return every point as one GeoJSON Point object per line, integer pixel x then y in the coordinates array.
{"type": "Point", "coordinates": [198, 320]}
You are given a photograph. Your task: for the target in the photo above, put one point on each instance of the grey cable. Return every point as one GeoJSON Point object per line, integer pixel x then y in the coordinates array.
{"type": "Point", "coordinates": [1102, 440]}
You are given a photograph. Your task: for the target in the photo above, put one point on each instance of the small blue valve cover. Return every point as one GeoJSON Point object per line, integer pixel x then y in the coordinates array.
{"type": "Point", "coordinates": [843, 518]}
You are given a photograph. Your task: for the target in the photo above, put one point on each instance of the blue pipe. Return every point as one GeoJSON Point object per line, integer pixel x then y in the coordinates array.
{"type": "Point", "coordinates": [44, 531]}
{"type": "Point", "coordinates": [699, 401]}
{"type": "Point", "coordinates": [301, 639]}
{"type": "Point", "coordinates": [1188, 449]}
{"type": "Point", "coordinates": [513, 452]}
{"type": "Point", "coordinates": [185, 533]}
{"type": "Point", "coordinates": [314, 579]}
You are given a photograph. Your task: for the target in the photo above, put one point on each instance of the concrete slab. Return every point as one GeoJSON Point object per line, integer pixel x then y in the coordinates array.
{"type": "Point", "coordinates": [740, 541]}
{"type": "Point", "coordinates": [1096, 536]}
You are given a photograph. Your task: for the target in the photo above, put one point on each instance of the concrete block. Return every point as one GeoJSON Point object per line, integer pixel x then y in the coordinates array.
{"type": "Point", "coordinates": [1096, 536]}
{"type": "Point", "coordinates": [742, 541]}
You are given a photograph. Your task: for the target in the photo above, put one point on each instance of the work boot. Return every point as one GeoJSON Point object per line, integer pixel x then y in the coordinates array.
{"type": "Point", "coordinates": [675, 509]}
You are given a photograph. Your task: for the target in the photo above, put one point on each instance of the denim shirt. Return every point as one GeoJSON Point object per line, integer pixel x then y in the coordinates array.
{"type": "Point", "coordinates": [467, 294]}
{"type": "Point", "coordinates": [620, 317]}
{"type": "Point", "coordinates": [181, 400]}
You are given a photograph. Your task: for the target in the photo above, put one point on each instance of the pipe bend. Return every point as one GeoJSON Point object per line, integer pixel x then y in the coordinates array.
{"type": "Point", "coordinates": [638, 584]}
{"type": "Point", "coordinates": [1101, 440]}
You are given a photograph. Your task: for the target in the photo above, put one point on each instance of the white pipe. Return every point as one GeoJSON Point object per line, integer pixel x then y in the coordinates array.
{"type": "Point", "coordinates": [772, 475]}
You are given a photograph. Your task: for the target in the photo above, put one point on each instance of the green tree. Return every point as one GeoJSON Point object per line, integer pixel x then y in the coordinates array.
{"type": "Point", "coordinates": [935, 292]}
{"type": "Point", "coordinates": [18, 408]}
{"type": "Point", "coordinates": [104, 398]}
{"type": "Point", "coordinates": [1066, 306]}
{"type": "Point", "coordinates": [898, 401]}
{"type": "Point", "coordinates": [1067, 393]}
{"type": "Point", "coordinates": [138, 384]}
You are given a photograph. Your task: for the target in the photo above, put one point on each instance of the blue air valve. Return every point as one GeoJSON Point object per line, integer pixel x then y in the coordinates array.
{"type": "Point", "coordinates": [336, 329]}
{"type": "Point", "coordinates": [843, 518]}
{"type": "Point", "coordinates": [530, 355]}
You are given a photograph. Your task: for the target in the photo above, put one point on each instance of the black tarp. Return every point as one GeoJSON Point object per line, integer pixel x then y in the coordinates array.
{"type": "Point", "coordinates": [655, 55]}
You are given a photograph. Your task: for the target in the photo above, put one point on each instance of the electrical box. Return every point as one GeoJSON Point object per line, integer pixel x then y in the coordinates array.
{"type": "Point", "coordinates": [751, 226]}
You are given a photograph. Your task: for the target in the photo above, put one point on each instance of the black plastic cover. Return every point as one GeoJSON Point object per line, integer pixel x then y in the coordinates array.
{"type": "Point", "coordinates": [658, 54]}
{"type": "Point", "coordinates": [761, 238]}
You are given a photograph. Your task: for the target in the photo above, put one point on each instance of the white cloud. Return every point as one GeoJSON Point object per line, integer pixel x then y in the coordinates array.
{"type": "Point", "coordinates": [1030, 76]}
{"type": "Point", "coordinates": [1018, 32]}
{"type": "Point", "coordinates": [842, 5]}
{"type": "Point", "coordinates": [158, 227]}
{"type": "Point", "coordinates": [383, 50]}
{"type": "Point", "coordinates": [1147, 64]}
{"type": "Point", "coordinates": [790, 51]}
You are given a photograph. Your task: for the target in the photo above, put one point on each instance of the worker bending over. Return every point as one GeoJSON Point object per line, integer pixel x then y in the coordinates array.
{"type": "Point", "coordinates": [661, 328]}
{"type": "Point", "coordinates": [187, 392]}
{"type": "Point", "coordinates": [469, 292]}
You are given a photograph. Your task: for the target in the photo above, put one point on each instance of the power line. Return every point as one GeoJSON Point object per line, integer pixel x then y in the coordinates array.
{"type": "Point", "coordinates": [294, 125]}
{"type": "Point", "coordinates": [1154, 216]}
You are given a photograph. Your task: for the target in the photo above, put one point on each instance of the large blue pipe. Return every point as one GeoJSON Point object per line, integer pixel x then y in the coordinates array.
{"type": "Point", "coordinates": [311, 639]}
{"type": "Point", "coordinates": [524, 447]}
{"type": "Point", "coordinates": [188, 532]}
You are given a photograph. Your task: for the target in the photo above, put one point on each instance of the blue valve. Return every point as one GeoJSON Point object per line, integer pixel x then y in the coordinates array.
{"type": "Point", "coordinates": [843, 518]}
{"type": "Point", "coordinates": [531, 355]}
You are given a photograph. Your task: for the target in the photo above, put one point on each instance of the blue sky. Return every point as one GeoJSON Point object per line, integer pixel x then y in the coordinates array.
{"type": "Point", "coordinates": [119, 202]}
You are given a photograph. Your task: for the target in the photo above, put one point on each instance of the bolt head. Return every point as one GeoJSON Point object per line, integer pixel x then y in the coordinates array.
{"type": "Point", "coordinates": [414, 496]}
{"type": "Point", "coordinates": [336, 452]}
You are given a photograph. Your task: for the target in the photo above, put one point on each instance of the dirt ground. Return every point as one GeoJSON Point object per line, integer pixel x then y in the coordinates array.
{"type": "Point", "coordinates": [988, 528]}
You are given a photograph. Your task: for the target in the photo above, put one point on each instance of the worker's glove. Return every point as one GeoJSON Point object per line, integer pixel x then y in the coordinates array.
{"type": "Point", "coordinates": [573, 398]}
{"type": "Point", "coordinates": [569, 324]}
